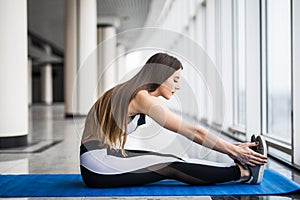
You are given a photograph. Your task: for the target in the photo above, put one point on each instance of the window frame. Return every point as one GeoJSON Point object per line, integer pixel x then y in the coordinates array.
{"type": "Point", "coordinates": [272, 141]}
{"type": "Point", "coordinates": [295, 4]}
{"type": "Point", "coordinates": [236, 126]}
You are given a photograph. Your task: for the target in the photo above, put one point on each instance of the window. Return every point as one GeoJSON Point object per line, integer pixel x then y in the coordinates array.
{"type": "Point", "coordinates": [239, 65]}
{"type": "Point", "coordinates": [278, 70]}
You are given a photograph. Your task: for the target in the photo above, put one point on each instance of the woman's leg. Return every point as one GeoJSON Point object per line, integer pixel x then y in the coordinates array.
{"type": "Point", "coordinates": [198, 174]}
{"type": "Point", "coordinates": [190, 173]}
{"type": "Point", "coordinates": [135, 178]}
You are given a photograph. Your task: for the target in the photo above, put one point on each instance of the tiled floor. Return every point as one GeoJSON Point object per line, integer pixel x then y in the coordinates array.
{"type": "Point", "coordinates": [48, 125]}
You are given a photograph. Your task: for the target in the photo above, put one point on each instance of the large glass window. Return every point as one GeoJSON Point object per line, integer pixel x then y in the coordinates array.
{"type": "Point", "coordinates": [239, 64]}
{"type": "Point", "coordinates": [278, 69]}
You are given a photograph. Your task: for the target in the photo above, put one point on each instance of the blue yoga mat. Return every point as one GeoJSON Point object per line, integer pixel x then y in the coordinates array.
{"type": "Point", "coordinates": [71, 185]}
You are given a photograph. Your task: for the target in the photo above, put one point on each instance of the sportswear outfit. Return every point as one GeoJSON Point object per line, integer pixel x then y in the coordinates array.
{"type": "Point", "coordinates": [103, 167]}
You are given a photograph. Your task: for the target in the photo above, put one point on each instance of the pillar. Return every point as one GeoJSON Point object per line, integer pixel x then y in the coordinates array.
{"type": "Point", "coordinates": [29, 71]}
{"type": "Point", "coordinates": [107, 49]}
{"type": "Point", "coordinates": [87, 43]}
{"type": "Point", "coordinates": [70, 66]}
{"type": "Point", "coordinates": [80, 64]}
{"type": "Point", "coordinates": [121, 62]}
{"type": "Point", "coordinates": [47, 80]}
{"type": "Point", "coordinates": [13, 73]}
{"type": "Point", "coordinates": [29, 67]}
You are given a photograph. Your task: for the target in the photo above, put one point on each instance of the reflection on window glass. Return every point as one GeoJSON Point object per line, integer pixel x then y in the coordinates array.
{"type": "Point", "coordinates": [278, 40]}
{"type": "Point", "coordinates": [239, 57]}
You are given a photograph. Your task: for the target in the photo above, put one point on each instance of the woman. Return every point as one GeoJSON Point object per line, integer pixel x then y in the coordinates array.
{"type": "Point", "coordinates": [105, 163]}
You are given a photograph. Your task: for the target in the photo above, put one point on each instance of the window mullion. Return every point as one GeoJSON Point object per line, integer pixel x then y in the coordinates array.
{"type": "Point", "coordinates": [253, 68]}
{"type": "Point", "coordinates": [296, 80]}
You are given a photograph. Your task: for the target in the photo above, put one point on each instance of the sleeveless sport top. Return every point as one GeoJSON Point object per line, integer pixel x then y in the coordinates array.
{"type": "Point", "coordinates": [92, 125]}
{"type": "Point", "coordinates": [136, 121]}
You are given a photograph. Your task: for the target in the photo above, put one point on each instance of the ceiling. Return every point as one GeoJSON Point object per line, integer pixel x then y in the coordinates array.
{"type": "Point", "coordinates": [46, 18]}
{"type": "Point", "coordinates": [130, 14]}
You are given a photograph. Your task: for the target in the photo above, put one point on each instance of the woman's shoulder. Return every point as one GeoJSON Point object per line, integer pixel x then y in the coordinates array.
{"type": "Point", "coordinates": [143, 101]}
{"type": "Point", "coordinates": [144, 96]}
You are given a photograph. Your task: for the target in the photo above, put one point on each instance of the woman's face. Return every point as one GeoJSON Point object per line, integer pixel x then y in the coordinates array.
{"type": "Point", "coordinates": [170, 86]}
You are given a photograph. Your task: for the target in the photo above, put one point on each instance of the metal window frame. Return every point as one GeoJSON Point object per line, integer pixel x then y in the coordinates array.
{"type": "Point", "coordinates": [272, 141]}
{"type": "Point", "coordinates": [236, 125]}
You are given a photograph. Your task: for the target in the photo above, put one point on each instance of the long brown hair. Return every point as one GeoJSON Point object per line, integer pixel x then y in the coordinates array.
{"type": "Point", "coordinates": [111, 109]}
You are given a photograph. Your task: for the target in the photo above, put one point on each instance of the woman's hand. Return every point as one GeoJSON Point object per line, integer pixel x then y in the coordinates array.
{"type": "Point", "coordinates": [247, 156]}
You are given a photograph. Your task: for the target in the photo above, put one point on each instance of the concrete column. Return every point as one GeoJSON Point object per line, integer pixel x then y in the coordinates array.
{"type": "Point", "coordinates": [29, 67]}
{"type": "Point", "coordinates": [121, 62]}
{"type": "Point", "coordinates": [70, 67]}
{"type": "Point", "coordinates": [80, 63]}
{"type": "Point", "coordinates": [47, 80]}
{"type": "Point", "coordinates": [87, 43]}
{"type": "Point", "coordinates": [13, 73]}
{"type": "Point", "coordinates": [107, 50]}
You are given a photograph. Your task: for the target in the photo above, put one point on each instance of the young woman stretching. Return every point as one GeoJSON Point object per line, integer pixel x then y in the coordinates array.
{"type": "Point", "coordinates": [118, 112]}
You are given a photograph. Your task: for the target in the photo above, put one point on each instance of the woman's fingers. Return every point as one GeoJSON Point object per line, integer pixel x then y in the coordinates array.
{"type": "Point", "coordinates": [252, 158]}
{"type": "Point", "coordinates": [259, 155]}
{"type": "Point", "coordinates": [249, 156]}
{"type": "Point", "coordinates": [253, 162]}
{"type": "Point", "coordinates": [257, 159]}
{"type": "Point", "coordinates": [238, 143]}
{"type": "Point", "coordinates": [246, 144]}
{"type": "Point", "coordinates": [252, 144]}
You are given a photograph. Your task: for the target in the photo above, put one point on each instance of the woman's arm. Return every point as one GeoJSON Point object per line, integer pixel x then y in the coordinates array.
{"type": "Point", "coordinates": [158, 111]}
